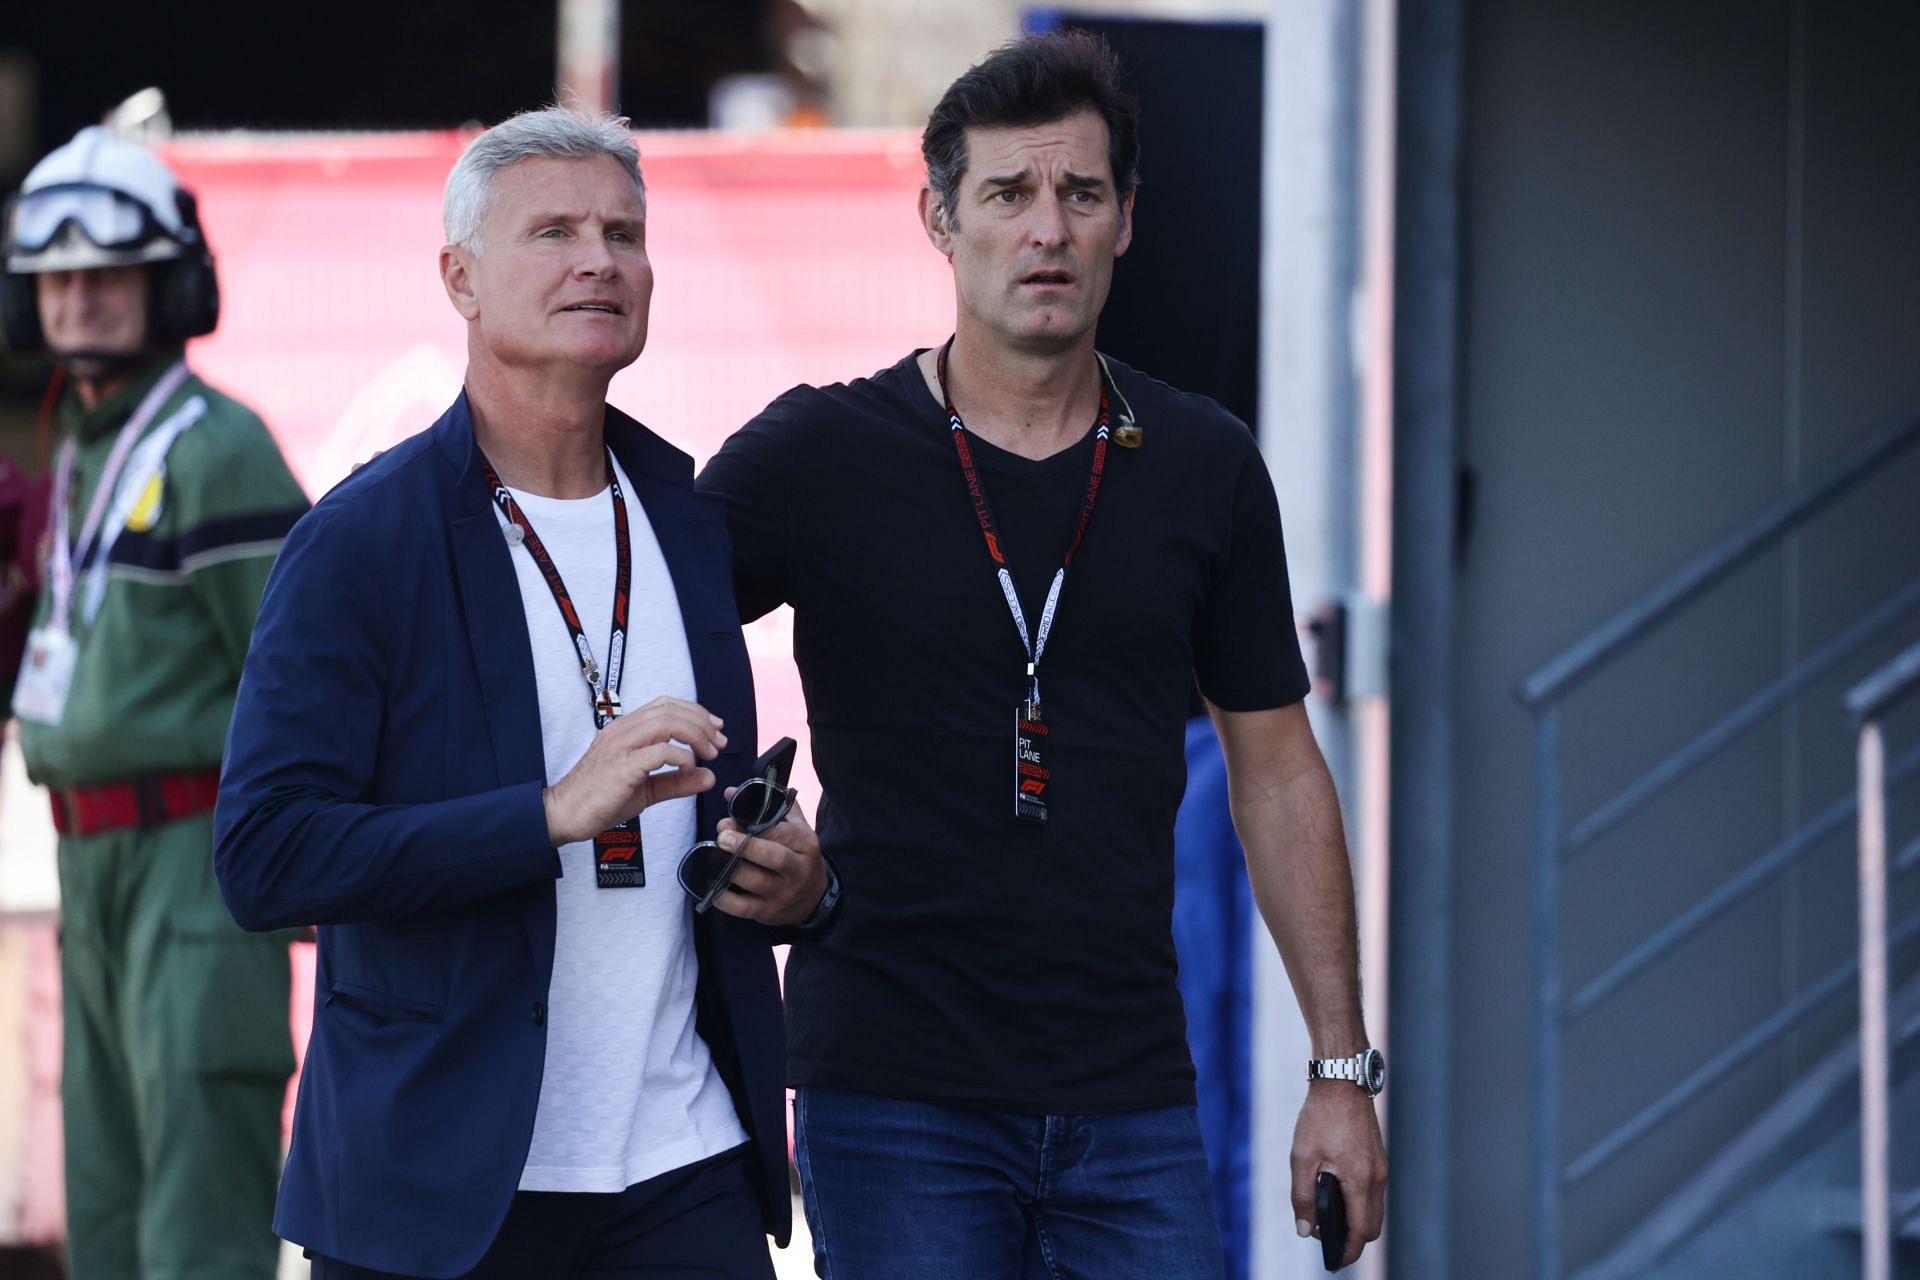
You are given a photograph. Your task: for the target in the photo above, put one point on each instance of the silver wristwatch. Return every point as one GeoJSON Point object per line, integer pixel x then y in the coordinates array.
{"type": "Point", "coordinates": [1368, 1069]}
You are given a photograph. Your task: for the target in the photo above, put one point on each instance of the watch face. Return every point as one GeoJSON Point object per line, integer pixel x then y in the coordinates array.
{"type": "Point", "coordinates": [1375, 1068]}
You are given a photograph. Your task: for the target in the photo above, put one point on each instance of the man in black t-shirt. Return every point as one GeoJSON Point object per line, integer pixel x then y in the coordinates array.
{"type": "Point", "coordinates": [1008, 560]}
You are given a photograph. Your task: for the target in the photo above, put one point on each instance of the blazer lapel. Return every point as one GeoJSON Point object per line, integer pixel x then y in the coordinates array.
{"type": "Point", "coordinates": [686, 534]}
{"type": "Point", "coordinates": [691, 530]}
{"type": "Point", "coordinates": [496, 626]}
{"type": "Point", "coordinates": [497, 631]}
{"type": "Point", "coordinates": [692, 535]}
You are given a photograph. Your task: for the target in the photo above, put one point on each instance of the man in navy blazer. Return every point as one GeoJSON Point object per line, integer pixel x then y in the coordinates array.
{"type": "Point", "coordinates": [529, 1056]}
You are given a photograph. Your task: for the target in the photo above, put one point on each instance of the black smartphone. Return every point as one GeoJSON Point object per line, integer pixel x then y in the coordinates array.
{"type": "Point", "coordinates": [1330, 1207]}
{"type": "Point", "coordinates": [777, 759]}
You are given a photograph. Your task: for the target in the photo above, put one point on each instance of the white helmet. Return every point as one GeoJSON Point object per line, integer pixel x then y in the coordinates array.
{"type": "Point", "coordinates": [98, 201]}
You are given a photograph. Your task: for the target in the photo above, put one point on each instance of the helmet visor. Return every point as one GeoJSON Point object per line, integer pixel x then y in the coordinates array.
{"type": "Point", "coordinates": [107, 218]}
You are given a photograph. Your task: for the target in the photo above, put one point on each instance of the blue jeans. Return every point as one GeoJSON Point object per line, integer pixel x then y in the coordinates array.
{"type": "Point", "coordinates": [898, 1190]}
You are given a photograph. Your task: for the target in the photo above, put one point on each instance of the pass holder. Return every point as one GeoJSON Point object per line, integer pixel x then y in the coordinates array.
{"type": "Point", "coordinates": [619, 859]}
{"type": "Point", "coordinates": [1031, 776]}
{"type": "Point", "coordinates": [619, 853]}
{"type": "Point", "coordinates": [46, 675]}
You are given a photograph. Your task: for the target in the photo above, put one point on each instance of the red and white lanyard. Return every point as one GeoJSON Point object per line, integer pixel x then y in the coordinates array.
{"type": "Point", "coordinates": [1033, 645]}
{"type": "Point", "coordinates": [603, 687]}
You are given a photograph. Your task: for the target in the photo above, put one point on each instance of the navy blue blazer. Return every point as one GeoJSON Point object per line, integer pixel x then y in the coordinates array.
{"type": "Point", "coordinates": [382, 780]}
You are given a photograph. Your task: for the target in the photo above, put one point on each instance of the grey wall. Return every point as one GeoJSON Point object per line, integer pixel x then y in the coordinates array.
{"type": "Point", "coordinates": [1692, 276]}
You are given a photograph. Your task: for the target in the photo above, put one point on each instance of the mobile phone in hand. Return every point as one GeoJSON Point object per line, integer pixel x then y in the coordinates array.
{"type": "Point", "coordinates": [777, 762]}
{"type": "Point", "coordinates": [1330, 1209]}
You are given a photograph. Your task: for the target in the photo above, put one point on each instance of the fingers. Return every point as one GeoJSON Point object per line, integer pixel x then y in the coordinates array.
{"type": "Point", "coordinates": [670, 719]}
{"type": "Point", "coordinates": [796, 832]}
{"type": "Point", "coordinates": [676, 784]}
{"type": "Point", "coordinates": [642, 745]}
{"type": "Point", "coordinates": [792, 831]}
{"type": "Point", "coordinates": [1366, 1205]}
{"type": "Point", "coordinates": [1339, 1132]}
{"type": "Point", "coordinates": [661, 754]}
{"type": "Point", "coordinates": [666, 771]}
{"type": "Point", "coordinates": [1305, 1170]}
{"type": "Point", "coordinates": [788, 851]}
{"type": "Point", "coordinates": [790, 905]}
{"type": "Point", "coordinates": [636, 761]}
{"type": "Point", "coordinates": [765, 868]}
{"type": "Point", "coordinates": [781, 876]}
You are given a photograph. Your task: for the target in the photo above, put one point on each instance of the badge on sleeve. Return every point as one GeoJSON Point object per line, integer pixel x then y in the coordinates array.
{"type": "Point", "coordinates": [46, 673]}
{"type": "Point", "coordinates": [1030, 773]}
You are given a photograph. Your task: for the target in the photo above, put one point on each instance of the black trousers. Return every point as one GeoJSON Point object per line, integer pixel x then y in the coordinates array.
{"type": "Point", "coordinates": [701, 1222]}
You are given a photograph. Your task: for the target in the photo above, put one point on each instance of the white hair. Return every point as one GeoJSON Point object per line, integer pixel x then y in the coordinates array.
{"type": "Point", "coordinates": [550, 131]}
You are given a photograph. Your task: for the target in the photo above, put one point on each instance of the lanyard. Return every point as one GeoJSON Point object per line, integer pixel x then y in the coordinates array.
{"type": "Point", "coordinates": [1035, 645]}
{"type": "Point", "coordinates": [603, 687]}
{"type": "Point", "coordinates": [65, 555]}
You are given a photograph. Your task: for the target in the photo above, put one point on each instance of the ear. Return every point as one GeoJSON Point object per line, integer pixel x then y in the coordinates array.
{"type": "Point", "coordinates": [456, 275]}
{"type": "Point", "coordinates": [1125, 237]}
{"type": "Point", "coordinates": [933, 221]}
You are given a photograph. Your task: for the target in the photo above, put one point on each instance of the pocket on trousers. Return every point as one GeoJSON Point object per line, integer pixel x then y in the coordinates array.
{"type": "Point", "coordinates": [228, 996]}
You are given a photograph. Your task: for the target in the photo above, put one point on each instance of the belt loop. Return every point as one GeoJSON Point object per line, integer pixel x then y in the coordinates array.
{"type": "Point", "coordinates": [149, 803]}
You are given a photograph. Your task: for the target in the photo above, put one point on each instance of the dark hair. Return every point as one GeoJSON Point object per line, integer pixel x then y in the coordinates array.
{"type": "Point", "coordinates": [1026, 82]}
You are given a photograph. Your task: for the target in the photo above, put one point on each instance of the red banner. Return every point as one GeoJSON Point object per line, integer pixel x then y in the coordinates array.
{"type": "Point", "coordinates": [778, 259]}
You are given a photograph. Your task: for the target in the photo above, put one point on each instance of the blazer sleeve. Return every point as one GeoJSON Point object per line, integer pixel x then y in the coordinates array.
{"type": "Point", "coordinates": [295, 839]}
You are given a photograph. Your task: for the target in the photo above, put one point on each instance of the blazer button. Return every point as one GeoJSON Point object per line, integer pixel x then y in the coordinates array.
{"type": "Point", "coordinates": [539, 1014]}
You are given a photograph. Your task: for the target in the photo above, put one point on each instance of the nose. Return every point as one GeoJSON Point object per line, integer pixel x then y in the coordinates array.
{"type": "Point", "coordinates": [1049, 227]}
{"type": "Point", "coordinates": [595, 260]}
{"type": "Point", "coordinates": [72, 288]}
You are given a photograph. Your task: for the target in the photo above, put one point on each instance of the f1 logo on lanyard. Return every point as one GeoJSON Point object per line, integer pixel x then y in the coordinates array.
{"type": "Point", "coordinates": [1031, 776]}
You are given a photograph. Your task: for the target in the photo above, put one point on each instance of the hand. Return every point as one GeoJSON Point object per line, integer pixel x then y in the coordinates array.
{"type": "Point", "coordinates": [1339, 1132]}
{"type": "Point", "coordinates": [616, 778]}
{"type": "Point", "coordinates": [782, 877]}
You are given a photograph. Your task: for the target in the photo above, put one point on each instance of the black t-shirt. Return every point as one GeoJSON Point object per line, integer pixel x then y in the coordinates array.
{"type": "Point", "coordinates": [981, 960]}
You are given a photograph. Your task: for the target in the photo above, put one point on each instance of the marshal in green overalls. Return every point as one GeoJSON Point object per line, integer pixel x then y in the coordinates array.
{"type": "Point", "coordinates": [177, 1046]}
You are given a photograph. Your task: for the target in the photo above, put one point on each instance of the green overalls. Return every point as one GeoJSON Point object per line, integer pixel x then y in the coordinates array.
{"type": "Point", "coordinates": [177, 1049]}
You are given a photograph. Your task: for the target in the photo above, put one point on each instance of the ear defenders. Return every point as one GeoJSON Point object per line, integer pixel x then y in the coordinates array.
{"type": "Point", "coordinates": [184, 300]}
{"type": "Point", "coordinates": [19, 302]}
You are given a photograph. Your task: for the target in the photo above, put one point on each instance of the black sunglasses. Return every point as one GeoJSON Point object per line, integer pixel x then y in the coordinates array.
{"type": "Point", "coordinates": [758, 806]}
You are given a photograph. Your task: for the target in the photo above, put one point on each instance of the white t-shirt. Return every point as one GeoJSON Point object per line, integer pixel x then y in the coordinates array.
{"type": "Point", "coordinates": [629, 1090]}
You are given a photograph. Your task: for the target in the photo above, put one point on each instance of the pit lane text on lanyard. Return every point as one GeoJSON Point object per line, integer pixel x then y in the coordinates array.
{"type": "Point", "coordinates": [1031, 776]}
{"type": "Point", "coordinates": [46, 668]}
{"type": "Point", "coordinates": [617, 853]}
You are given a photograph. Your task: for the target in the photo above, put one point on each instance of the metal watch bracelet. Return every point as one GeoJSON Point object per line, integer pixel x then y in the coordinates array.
{"type": "Point", "coordinates": [1366, 1069]}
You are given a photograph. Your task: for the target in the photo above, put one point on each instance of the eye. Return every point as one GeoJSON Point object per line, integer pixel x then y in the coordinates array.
{"type": "Point", "coordinates": [551, 233]}
{"type": "Point", "coordinates": [1006, 197]}
{"type": "Point", "coordinates": [1081, 197]}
